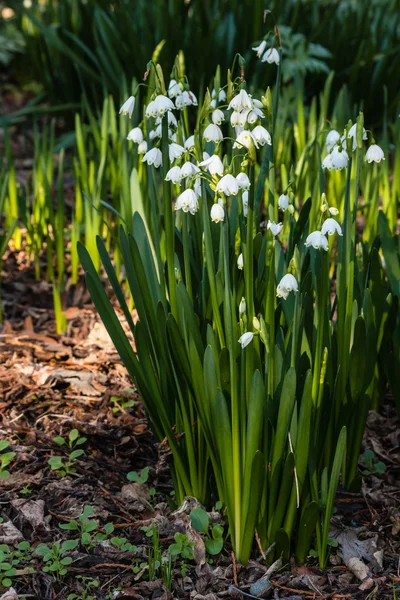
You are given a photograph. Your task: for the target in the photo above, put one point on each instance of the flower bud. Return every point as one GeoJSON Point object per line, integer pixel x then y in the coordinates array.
{"type": "Point", "coordinates": [256, 324]}
{"type": "Point", "coordinates": [242, 306]}
{"type": "Point", "coordinates": [291, 209]}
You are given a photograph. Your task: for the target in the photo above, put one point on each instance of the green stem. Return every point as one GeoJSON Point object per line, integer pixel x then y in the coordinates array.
{"type": "Point", "coordinates": [169, 221]}
{"type": "Point", "coordinates": [186, 255]}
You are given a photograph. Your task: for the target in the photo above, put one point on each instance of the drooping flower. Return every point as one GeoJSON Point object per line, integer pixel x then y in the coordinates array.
{"type": "Point", "coordinates": [245, 339]}
{"type": "Point", "coordinates": [163, 104]}
{"type": "Point", "coordinates": [214, 165]}
{"type": "Point", "coordinates": [252, 117]}
{"type": "Point", "coordinates": [153, 157]}
{"type": "Point", "coordinates": [243, 181]}
{"type": "Point", "coordinates": [228, 185]}
{"type": "Point", "coordinates": [128, 106]}
{"type": "Point", "coordinates": [189, 143]}
{"type": "Point", "coordinates": [245, 138]}
{"type": "Point", "coordinates": [217, 213]}
{"type": "Point", "coordinates": [353, 134]}
{"type": "Point", "coordinates": [327, 162]}
{"type": "Point", "coordinates": [339, 159]}
{"type": "Point", "coordinates": [174, 175]}
{"type": "Point", "coordinates": [271, 56]}
{"type": "Point", "coordinates": [173, 89]}
{"type": "Point", "coordinates": [212, 133]}
{"type": "Point", "coordinates": [286, 285]}
{"type": "Point", "coordinates": [317, 240]}
{"type": "Point", "coordinates": [175, 151]}
{"type": "Point", "coordinates": [283, 202]}
{"type": "Point", "coordinates": [185, 99]}
{"type": "Point", "coordinates": [135, 135]}
{"type": "Point", "coordinates": [275, 228]}
{"type": "Point", "coordinates": [142, 148]}
{"type": "Point", "coordinates": [187, 201]}
{"type": "Point", "coordinates": [260, 48]}
{"type": "Point", "coordinates": [245, 202]}
{"type": "Point", "coordinates": [241, 101]}
{"type": "Point", "coordinates": [238, 118]}
{"type": "Point", "coordinates": [330, 227]}
{"type": "Point", "coordinates": [217, 116]}
{"type": "Point", "coordinates": [332, 139]}
{"type": "Point", "coordinates": [374, 154]}
{"type": "Point", "coordinates": [261, 135]}
{"type": "Point", "coordinates": [240, 262]}
{"type": "Point", "coordinates": [242, 306]}
{"type": "Point", "coordinates": [171, 119]}
{"type": "Point", "coordinates": [188, 169]}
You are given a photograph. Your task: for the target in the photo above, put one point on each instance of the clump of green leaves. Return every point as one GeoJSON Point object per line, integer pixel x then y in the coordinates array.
{"type": "Point", "coordinates": [214, 540]}
{"type": "Point", "coordinates": [5, 459]}
{"type": "Point", "coordinates": [372, 465]}
{"type": "Point", "coordinates": [183, 546]}
{"type": "Point", "coordinates": [53, 556]}
{"type": "Point", "coordinates": [83, 525]}
{"type": "Point", "coordinates": [57, 463]}
{"type": "Point", "coordinates": [11, 559]}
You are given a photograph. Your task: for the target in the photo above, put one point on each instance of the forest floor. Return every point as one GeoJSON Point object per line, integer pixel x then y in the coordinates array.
{"type": "Point", "coordinates": [51, 385]}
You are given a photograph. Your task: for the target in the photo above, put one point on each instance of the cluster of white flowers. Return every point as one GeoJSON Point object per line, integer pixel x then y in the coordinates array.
{"type": "Point", "coordinates": [318, 239]}
{"type": "Point", "coordinates": [246, 109]}
{"type": "Point", "coordinates": [338, 158]}
{"type": "Point", "coordinates": [270, 56]}
{"type": "Point", "coordinates": [183, 98]}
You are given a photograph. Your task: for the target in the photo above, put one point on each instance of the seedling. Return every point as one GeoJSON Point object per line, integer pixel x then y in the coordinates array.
{"type": "Point", "coordinates": [5, 459]}
{"type": "Point", "coordinates": [372, 465]}
{"type": "Point", "coordinates": [54, 558]}
{"type": "Point", "coordinates": [11, 559]}
{"type": "Point", "coordinates": [87, 583]}
{"type": "Point", "coordinates": [139, 478]}
{"type": "Point", "coordinates": [121, 404]}
{"type": "Point", "coordinates": [57, 463]}
{"type": "Point", "coordinates": [84, 525]}
{"type": "Point", "coordinates": [214, 541]}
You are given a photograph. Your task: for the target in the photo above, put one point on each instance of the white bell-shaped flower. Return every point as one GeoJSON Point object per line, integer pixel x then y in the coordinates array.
{"type": "Point", "coordinates": [241, 101]}
{"type": "Point", "coordinates": [242, 306]}
{"type": "Point", "coordinates": [135, 135]}
{"type": "Point", "coordinates": [339, 159]}
{"type": "Point", "coordinates": [243, 181]}
{"type": "Point", "coordinates": [153, 157]}
{"type": "Point", "coordinates": [128, 106]}
{"type": "Point", "coordinates": [174, 175]}
{"type": "Point", "coordinates": [187, 202]}
{"type": "Point", "coordinates": [275, 228]}
{"type": "Point", "coordinates": [271, 56]}
{"type": "Point", "coordinates": [317, 240]}
{"type": "Point", "coordinates": [374, 154]}
{"type": "Point", "coordinates": [175, 151]}
{"type": "Point", "coordinates": [212, 133]}
{"type": "Point", "coordinates": [173, 89]}
{"type": "Point", "coordinates": [151, 110]}
{"type": "Point", "coordinates": [245, 339]}
{"type": "Point", "coordinates": [171, 119]}
{"type": "Point", "coordinates": [142, 147]}
{"type": "Point", "coordinates": [327, 162]}
{"type": "Point", "coordinates": [286, 285]}
{"type": "Point", "coordinates": [261, 135]}
{"type": "Point", "coordinates": [163, 104]}
{"type": "Point", "coordinates": [217, 213]}
{"type": "Point", "coordinates": [330, 227]}
{"type": "Point", "coordinates": [245, 202]}
{"type": "Point", "coordinates": [189, 143]}
{"type": "Point", "coordinates": [332, 139]}
{"type": "Point", "coordinates": [246, 139]}
{"type": "Point", "coordinates": [217, 116]}
{"type": "Point", "coordinates": [353, 134]}
{"type": "Point", "coordinates": [188, 169]}
{"type": "Point", "coordinates": [283, 202]}
{"type": "Point", "coordinates": [228, 185]}
{"type": "Point", "coordinates": [260, 48]}
{"type": "Point", "coordinates": [213, 164]}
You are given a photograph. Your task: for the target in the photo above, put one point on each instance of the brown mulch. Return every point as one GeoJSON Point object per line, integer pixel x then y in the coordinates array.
{"type": "Point", "coordinates": [52, 384]}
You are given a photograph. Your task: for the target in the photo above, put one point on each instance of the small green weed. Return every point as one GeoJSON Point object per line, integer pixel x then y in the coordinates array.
{"type": "Point", "coordinates": [372, 465]}
{"type": "Point", "coordinates": [57, 463]}
{"type": "Point", "coordinates": [53, 556]}
{"type": "Point", "coordinates": [214, 542]}
{"type": "Point", "coordinates": [5, 459]}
